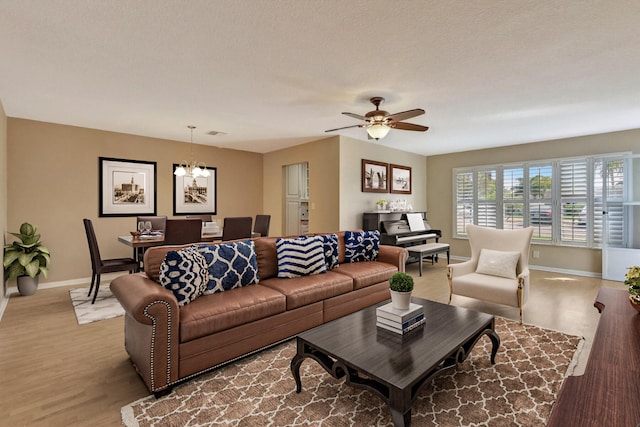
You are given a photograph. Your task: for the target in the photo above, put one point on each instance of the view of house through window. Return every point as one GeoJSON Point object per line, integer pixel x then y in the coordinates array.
{"type": "Point", "coordinates": [562, 199]}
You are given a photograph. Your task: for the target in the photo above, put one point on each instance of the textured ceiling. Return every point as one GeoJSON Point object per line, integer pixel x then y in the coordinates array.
{"type": "Point", "coordinates": [272, 74]}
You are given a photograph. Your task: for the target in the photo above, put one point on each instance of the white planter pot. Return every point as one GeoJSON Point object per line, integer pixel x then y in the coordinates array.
{"type": "Point", "coordinates": [27, 285]}
{"type": "Point", "coordinates": [400, 300]}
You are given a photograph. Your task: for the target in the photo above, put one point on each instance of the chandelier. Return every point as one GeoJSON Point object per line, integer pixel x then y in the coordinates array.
{"type": "Point", "coordinates": [192, 168]}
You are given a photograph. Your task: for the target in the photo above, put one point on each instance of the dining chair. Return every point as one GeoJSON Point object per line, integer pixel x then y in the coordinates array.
{"type": "Point", "coordinates": [99, 265]}
{"type": "Point", "coordinates": [261, 225]}
{"type": "Point", "coordinates": [158, 222]}
{"type": "Point", "coordinates": [204, 218]}
{"type": "Point", "coordinates": [236, 228]}
{"type": "Point", "coordinates": [183, 231]}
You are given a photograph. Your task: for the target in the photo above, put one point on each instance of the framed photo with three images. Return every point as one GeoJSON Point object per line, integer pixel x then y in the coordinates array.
{"type": "Point", "coordinates": [374, 176]}
{"type": "Point", "coordinates": [400, 181]}
{"type": "Point", "coordinates": [193, 196]}
{"type": "Point", "coordinates": [127, 187]}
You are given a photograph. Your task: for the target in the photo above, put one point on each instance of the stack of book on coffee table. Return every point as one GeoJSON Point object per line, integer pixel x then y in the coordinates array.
{"type": "Point", "coordinates": [400, 321]}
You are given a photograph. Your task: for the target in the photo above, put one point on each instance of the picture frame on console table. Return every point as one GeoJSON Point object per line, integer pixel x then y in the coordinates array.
{"type": "Point", "coordinates": [400, 181]}
{"type": "Point", "coordinates": [126, 187]}
{"type": "Point", "coordinates": [195, 196]}
{"type": "Point", "coordinates": [375, 176]}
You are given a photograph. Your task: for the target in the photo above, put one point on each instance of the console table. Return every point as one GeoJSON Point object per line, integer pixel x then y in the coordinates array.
{"type": "Point", "coordinates": [608, 392]}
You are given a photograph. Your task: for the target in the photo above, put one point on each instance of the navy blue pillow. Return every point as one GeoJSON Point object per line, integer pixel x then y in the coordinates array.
{"type": "Point", "coordinates": [184, 272]}
{"type": "Point", "coordinates": [361, 245]}
{"type": "Point", "coordinates": [231, 265]}
{"type": "Point", "coordinates": [330, 244]}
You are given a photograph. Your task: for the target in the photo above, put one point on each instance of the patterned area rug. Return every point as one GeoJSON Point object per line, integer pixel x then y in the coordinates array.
{"type": "Point", "coordinates": [519, 390]}
{"type": "Point", "coordinates": [105, 307]}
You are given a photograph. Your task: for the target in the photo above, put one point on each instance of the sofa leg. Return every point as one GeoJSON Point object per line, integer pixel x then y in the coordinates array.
{"type": "Point", "coordinates": [162, 393]}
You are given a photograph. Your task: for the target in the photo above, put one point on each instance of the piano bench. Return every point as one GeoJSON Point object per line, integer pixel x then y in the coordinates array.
{"type": "Point", "coordinates": [428, 249]}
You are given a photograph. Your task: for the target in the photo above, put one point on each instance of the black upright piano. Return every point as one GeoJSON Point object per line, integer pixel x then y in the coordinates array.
{"type": "Point", "coordinates": [395, 228]}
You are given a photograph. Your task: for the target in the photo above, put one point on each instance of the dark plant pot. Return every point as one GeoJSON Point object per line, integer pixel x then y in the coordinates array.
{"type": "Point", "coordinates": [27, 285]}
{"type": "Point", "coordinates": [634, 304]}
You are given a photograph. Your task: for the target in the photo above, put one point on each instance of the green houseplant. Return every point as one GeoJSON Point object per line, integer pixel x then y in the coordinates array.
{"type": "Point", "coordinates": [401, 286]}
{"type": "Point", "coordinates": [26, 259]}
{"type": "Point", "coordinates": [632, 280]}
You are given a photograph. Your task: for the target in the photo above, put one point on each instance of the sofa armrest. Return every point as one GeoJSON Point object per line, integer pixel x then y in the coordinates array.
{"type": "Point", "coordinates": [151, 329]}
{"type": "Point", "coordinates": [394, 255]}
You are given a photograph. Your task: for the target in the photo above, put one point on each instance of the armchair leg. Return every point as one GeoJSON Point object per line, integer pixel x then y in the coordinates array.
{"type": "Point", "coordinates": [449, 273]}
{"type": "Point", "coordinates": [520, 302]}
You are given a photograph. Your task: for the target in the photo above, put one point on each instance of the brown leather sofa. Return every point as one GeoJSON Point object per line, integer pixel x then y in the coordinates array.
{"type": "Point", "coordinates": [168, 343]}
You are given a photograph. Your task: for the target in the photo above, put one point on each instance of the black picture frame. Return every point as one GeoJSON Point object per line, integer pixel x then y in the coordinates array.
{"type": "Point", "coordinates": [183, 200]}
{"type": "Point", "coordinates": [126, 187]}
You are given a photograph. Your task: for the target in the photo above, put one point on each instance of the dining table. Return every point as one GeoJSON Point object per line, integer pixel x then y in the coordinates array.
{"type": "Point", "coordinates": [140, 243]}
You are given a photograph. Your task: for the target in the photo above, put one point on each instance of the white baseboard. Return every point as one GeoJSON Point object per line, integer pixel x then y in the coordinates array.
{"type": "Point", "coordinates": [551, 269]}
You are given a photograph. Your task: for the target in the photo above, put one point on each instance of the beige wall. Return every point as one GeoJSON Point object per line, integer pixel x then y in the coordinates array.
{"type": "Point", "coordinates": [353, 202]}
{"type": "Point", "coordinates": [3, 185]}
{"type": "Point", "coordinates": [53, 183]}
{"type": "Point", "coordinates": [324, 184]}
{"type": "Point", "coordinates": [439, 197]}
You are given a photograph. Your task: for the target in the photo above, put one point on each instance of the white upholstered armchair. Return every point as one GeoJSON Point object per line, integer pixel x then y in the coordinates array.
{"type": "Point", "coordinates": [498, 270]}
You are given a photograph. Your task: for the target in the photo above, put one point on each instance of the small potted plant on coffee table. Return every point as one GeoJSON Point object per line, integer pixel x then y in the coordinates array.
{"type": "Point", "coordinates": [401, 286]}
{"type": "Point", "coordinates": [632, 280]}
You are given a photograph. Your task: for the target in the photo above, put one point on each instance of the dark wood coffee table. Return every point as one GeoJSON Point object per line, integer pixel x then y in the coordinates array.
{"type": "Point", "coordinates": [394, 366]}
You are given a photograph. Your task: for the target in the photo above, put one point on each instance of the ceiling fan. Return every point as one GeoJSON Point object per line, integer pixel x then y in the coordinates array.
{"type": "Point", "coordinates": [378, 122]}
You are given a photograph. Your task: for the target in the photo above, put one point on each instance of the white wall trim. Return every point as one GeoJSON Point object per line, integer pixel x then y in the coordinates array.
{"type": "Point", "coordinates": [551, 269]}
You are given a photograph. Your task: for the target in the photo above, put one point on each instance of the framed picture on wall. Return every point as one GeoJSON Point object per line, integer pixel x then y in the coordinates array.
{"type": "Point", "coordinates": [127, 187]}
{"type": "Point", "coordinates": [400, 181]}
{"type": "Point", "coordinates": [374, 176]}
{"type": "Point", "coordinates": [193, 196]}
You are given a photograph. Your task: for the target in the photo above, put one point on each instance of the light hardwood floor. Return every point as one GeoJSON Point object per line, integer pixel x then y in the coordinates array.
{"type": "Point", "coordinates": [57, 373]}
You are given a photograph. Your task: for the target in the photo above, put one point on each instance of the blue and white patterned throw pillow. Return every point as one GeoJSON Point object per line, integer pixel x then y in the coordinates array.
{"type": "Point", "coordinates": [330, 245]}
{"type": "Point", "coordinates": [184, 272]}
{"type": "Point", "coordinates": [231, 265]}
{"type": "Point", "coordinates": [300, 257]}
{"type": "Point", "coordinates": [361, 245]}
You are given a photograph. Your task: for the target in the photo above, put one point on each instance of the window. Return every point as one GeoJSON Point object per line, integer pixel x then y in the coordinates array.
{"type": "Point", "coordinates": [562, 199]}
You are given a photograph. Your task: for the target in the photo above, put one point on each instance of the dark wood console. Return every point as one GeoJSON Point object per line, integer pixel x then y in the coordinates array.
{"type": "Point", "coordinates": [608, 394]}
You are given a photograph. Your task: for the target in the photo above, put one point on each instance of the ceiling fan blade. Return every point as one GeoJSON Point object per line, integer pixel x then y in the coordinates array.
{"type": "Point", "coordinates": [346, 127]}
{"type": "Point", "coordinates": [408, 126]}
{"type": "Point", "coordinates": [405, 115]}
{"type": "Point", "coordinates": [355, 116]}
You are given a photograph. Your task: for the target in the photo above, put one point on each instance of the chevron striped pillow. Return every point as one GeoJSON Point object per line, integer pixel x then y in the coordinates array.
{"type": "Point", "coordinates": [300, 257]}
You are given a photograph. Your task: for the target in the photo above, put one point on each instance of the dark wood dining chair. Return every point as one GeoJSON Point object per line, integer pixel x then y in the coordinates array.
{"type": "Point", "coordinates": [261, 225]}
{"type": "Point", "coordinates": [99, 265]}
{"type": "Point", "coordinates": [204, 218]}
{"type": "Point", "coordinates": [182, 231]}
{"type": "Point", "coordinates": [236, 228]}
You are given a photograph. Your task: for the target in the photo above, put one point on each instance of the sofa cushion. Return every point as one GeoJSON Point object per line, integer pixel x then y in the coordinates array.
{"type": "Point", "coordinates": [231, 265]}
{"type": "Point", "coordinates": [306, 290]}
{"type": "Point", "coordinates": [300, 256]}
{"type": "Point", "coordinates": [366, 273]}
{"type": "Point", "coordinates": [184, 272]}
{"type": "Point", "coordinates": [498, 263]}
{"type": "Point", "coordinates": [223, 310]}
{"type": "Point", "coordinates": [361, 245]}
{"type": "Point", "coordinates": [484, 287]}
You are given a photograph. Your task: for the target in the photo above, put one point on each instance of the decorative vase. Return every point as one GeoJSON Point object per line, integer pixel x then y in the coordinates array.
{"type": "Point", "coordinates": [27, 285]}
{"type": "Point", "coordinates": [400, 300]}
{"type": "Point", "coordinates": [634, 304]}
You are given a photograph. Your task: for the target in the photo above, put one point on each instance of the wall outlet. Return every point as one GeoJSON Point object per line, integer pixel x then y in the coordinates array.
{"type": "Point", "coordinates": [536, 254]}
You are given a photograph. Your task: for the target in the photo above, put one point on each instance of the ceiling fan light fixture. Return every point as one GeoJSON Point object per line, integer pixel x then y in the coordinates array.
{"type": "Point", "coordinates": [378, 130]}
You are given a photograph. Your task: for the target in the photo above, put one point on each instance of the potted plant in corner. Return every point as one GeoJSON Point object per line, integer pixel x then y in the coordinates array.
{"type": "Point", "coordinates": [632, 280]}
{"type": "Point", "coordinates": [24, 260]}
{"type": "Point", "coordinates": [401, 286]}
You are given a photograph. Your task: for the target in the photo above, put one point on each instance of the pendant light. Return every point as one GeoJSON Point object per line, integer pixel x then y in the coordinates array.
{"type": "Point", "coordinates": [192, 168]}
